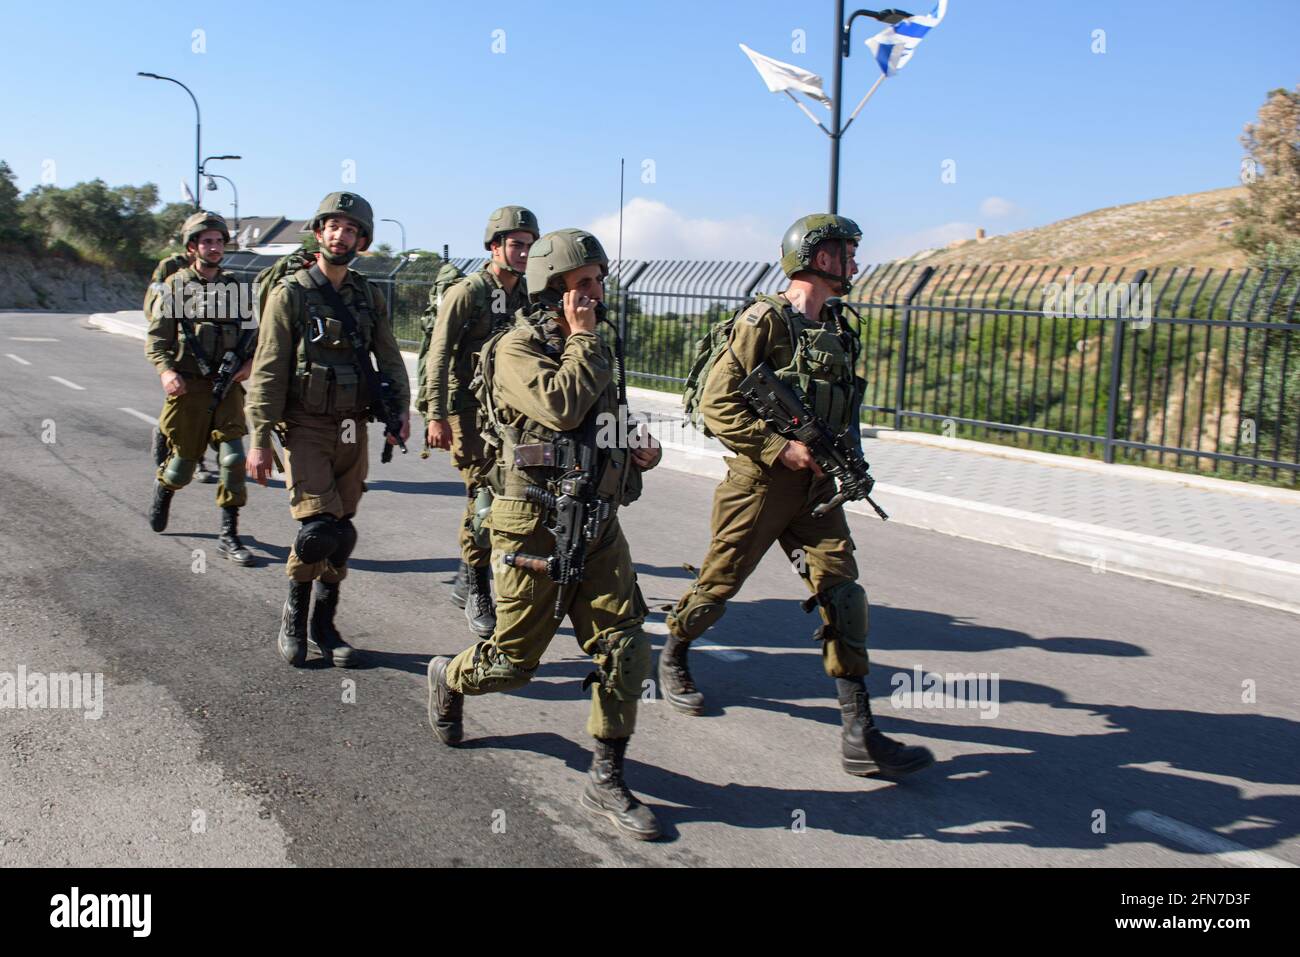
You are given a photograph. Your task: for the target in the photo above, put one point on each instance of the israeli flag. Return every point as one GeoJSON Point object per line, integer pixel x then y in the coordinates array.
{"type": "Point", "coordinates": [892, 47]}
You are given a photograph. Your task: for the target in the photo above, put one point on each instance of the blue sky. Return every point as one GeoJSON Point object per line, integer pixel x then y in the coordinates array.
{"type": "Point", "coordinates": [441, 129]}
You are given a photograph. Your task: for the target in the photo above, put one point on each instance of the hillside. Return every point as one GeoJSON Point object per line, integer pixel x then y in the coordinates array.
{"type": "Point", "coordinates": [1189, 230]}
{"type": "Point", "coordinates": [48, 282]}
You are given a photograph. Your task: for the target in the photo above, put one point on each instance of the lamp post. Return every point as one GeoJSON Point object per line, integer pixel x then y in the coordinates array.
{"type": "Point", "coordinates": [399, 226]}
{"type": "Point", "coordinates": [198, 126]}
{"type": "Point", "coordinates": [841, 46]}
{"type": "Point", "coordinates": [212, 185]}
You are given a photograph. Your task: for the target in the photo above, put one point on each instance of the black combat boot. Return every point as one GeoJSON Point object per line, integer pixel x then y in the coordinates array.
{"type": "Point", "coordinates": [205, 476]}
{"type": "Point", "coordinates": [321, 633]}
{"type": "Point", "coordinates": [460, 588]}
{"type": "Point", "coordinates": [607, 795]}
{"type": "Point", "coordinates": [479, 610]}
{"type": "Point", "coordinates": [293, 624]}
{"type": "Point", "coordinates": [160, 509]}
{"type": "Point", "coordinates": [865, 750]}
{"type": "Point", "coordinates": [228, 543]}
{"type": "Point", "coordinates": [675, 681]}
{"type": "Point", "coordinates": [446, 707]}
{"type": "Point", "coordinates": [158, 448]}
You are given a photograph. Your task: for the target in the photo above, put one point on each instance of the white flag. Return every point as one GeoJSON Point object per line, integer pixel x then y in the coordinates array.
{"type": "Point", "coordinates": [893, 46]}
{"type": "Point", "coordinates": [781, 77]}
{"type": "Point", "coordinates": [185, 192]}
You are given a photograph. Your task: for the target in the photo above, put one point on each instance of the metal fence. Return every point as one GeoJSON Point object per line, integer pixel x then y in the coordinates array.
{"type": "Point", "coordinates": [1181, 368]}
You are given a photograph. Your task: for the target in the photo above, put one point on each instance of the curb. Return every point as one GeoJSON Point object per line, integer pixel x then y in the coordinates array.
{"type": "Point", "coordinates": [1216, 571]}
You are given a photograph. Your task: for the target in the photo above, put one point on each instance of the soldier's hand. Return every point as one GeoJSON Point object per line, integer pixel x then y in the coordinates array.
{"type": "Point", "coordinates": [244, 371]}
{"type": "Point", "coordinates": [405, 432]}
{"type": "Point", "coordinates": [795, 456]}
{"type": "Point", "coordinates": [259, 465]}
{"type": "Point", "coordinates": [173, 382]}
{"type": "Point", "coordinates": [439, 434]}
{"type": "Point", "coordinates": [579, 312]}
{"type": "Point", "coordinates": [648, 451]}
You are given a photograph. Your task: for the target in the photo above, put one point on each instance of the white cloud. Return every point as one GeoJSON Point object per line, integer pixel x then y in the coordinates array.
{"type": "Point", "coordinates": [653, 230]}
{"type": "Point", "coordinates": [996, 207]}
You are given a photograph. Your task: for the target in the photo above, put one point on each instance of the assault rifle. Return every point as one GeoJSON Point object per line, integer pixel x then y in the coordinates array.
{"type": "Point", "coordinates": [779, 405]}
{"type": "Point", "coordinates": [231, 362]}
{"type": "Point", "coordinates": [575, 513]}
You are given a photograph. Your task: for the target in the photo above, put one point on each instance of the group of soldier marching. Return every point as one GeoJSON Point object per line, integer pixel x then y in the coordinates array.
{"type": "Point", "coordinates": [517, 373]}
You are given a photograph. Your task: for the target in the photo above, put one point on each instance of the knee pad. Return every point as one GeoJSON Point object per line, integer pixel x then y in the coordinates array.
{"type": "Point", "coordinates": [347, 534]}
{"type": "Point", "coordinates": [623, 662]}
{"type": "Point", "coordinates": [493, 671]}
{"type": "Point", "coordinates": [179, 471]}
{"type": "Point", "coordinates": [695, 615]}
{"type": "Point", "coordinates": [317, 539]}
{"type": "Point", "coordinates": [230, 457]}
{"type": "Point", "coordinates": [845, 605]}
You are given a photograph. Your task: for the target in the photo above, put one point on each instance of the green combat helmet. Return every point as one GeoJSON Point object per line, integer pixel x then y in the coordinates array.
{"type": "Point", "coordinates": [354, 208]}
{"type": "Point", "coordinates": [199, 223]}
{"type": "Point", "coordinates": [510, 219]}
{"type": "Point", "coordinates": [560, 252]}
{"type": "Point", "coordinates": [802, 238]}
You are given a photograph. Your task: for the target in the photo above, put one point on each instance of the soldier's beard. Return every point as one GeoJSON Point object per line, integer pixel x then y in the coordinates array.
{"type": "Point", "coordinates": [336, 259]}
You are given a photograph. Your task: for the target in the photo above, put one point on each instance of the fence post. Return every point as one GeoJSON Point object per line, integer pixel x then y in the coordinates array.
{"type": "Point", "coordinates": [901, 387]}
{"type": "Point", "coordinates": [1117, 371]}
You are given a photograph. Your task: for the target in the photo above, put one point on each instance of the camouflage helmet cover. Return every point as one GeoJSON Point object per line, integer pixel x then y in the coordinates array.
{"type": "Point", "coordinates": [510, 219]}
{"type": "Point", "coordinates": [354, 208]}
{"type": "Point", "coordinates": [199, 223]}
{"type": "Point", "coordinates": [802, 238]}
{"type": "Point", "coordinates": [559, 252]}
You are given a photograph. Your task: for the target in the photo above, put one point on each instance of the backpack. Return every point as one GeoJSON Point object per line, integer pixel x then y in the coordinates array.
{"type": "Point", "coordinates": [446, 277]}
{"type": "Point", "coordinates": [164, 270]}
{"type": "Point", "coordinates": [272, 274]}
{"type": "Point", "coordinates": [715, 341]}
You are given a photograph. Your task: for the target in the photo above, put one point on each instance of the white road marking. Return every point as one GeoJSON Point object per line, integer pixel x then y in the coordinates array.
{"type": "Point", "coordinates": [31, 339]}
{"type": "Point", "coordinates": [70, 385]}
{"type": "Point", "coordinates": [726, 654]}
{"type": "Point", "coordinates": [18, 359]}
{"type": "Point", "coordinates": [139, 415]}
{"type": "Point", "coordinates": [1225, 850]}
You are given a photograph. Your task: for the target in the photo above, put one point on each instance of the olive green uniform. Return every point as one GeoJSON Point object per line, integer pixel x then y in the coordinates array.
{"type": "Point", "coordinates": [470, 312]}
{"type": "Point", "coordinates": [545, 384]}
{"type": "Point", "coordinates": [760, 501]}
{"type": "Point", "coordinates": [308, 385]}
{"type": "Point", "coordinates": [185, 422]}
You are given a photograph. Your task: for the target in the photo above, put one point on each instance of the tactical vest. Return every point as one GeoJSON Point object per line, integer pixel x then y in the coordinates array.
{"type": "Point", "coordinates": [529, 453]}
{"type": "Point", "coordinates": [473, 335]}
{"type": "Point", "coordinates": [822, 364]}
{"type": "Point", "coordinates": [327, 376]}
{"type": "Point", "coordinates": [216, 334]}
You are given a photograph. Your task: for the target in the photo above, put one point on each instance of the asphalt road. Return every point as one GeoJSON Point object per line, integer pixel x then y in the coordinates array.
{"type": "Point", "coordinates": [1136, 723]}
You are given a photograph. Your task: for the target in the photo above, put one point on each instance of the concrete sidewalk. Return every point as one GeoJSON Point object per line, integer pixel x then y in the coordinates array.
{"type": "Point", "coordinates": [1213, 535]}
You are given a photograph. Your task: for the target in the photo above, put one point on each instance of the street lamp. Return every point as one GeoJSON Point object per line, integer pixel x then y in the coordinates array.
{"type": "Point", "coordinates": [212, 185]}
{"type": "Point", "coordinates": [197, 129]}
{"type": "Point", "coordinates": [399, 226]}
{"type": "Point", "coordinates": [841, 46]}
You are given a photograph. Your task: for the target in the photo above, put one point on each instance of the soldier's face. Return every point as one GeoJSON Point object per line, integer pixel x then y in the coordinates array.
{"type": "Point", "coordinates": [829, 259]}
{"type": "Point", "coordinates": [339, 235]}
{"type": "Point", "coordinates": [512, 250]}
{"type": "Point", "coordinates": [586, 282]}
{"type": "Point", "coordinates": [210, 246]}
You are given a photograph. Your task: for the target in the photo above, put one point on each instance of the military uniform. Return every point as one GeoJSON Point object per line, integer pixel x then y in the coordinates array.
{"type": "Point", "coordinates": [761, 501]}
{"type": "Point", "coordinates": [308, 384]}
{"type": "Point", "coordinates": [210, 308]}
{"type": "Point", "coordinates": [546, 387]}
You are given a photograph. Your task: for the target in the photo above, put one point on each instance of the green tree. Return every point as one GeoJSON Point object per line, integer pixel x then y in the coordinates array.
{"type": "Point", "coordinates": [1271, 210]}
{"type": "Point", "coordinates": [12, 232]}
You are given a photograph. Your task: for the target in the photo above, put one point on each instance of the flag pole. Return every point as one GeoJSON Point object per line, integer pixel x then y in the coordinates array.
{"type": "Point", "coordinates": [807, 112]}
{"type": "Point", "coordinates": [879, 80]}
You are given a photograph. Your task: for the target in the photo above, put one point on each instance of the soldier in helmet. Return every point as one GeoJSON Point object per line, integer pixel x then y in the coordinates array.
{"type": "Point", "coordinates": [471, 310]}
{"type": "Point", "coordinates": [545, 385]}
{"type": "Point", "coordinates": [196, 317]}
{"type": "Point", "coordinates": [308, 384]}
{"type": "Point", "coordinates": [772, 485]}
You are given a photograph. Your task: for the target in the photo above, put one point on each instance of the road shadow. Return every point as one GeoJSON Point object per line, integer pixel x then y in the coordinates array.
{"type": "Point", "coordinates": [415, 488]}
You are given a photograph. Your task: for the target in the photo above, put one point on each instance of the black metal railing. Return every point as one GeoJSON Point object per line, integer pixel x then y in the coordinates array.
{"type": "Point", "coordinates": [1182, 368]}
